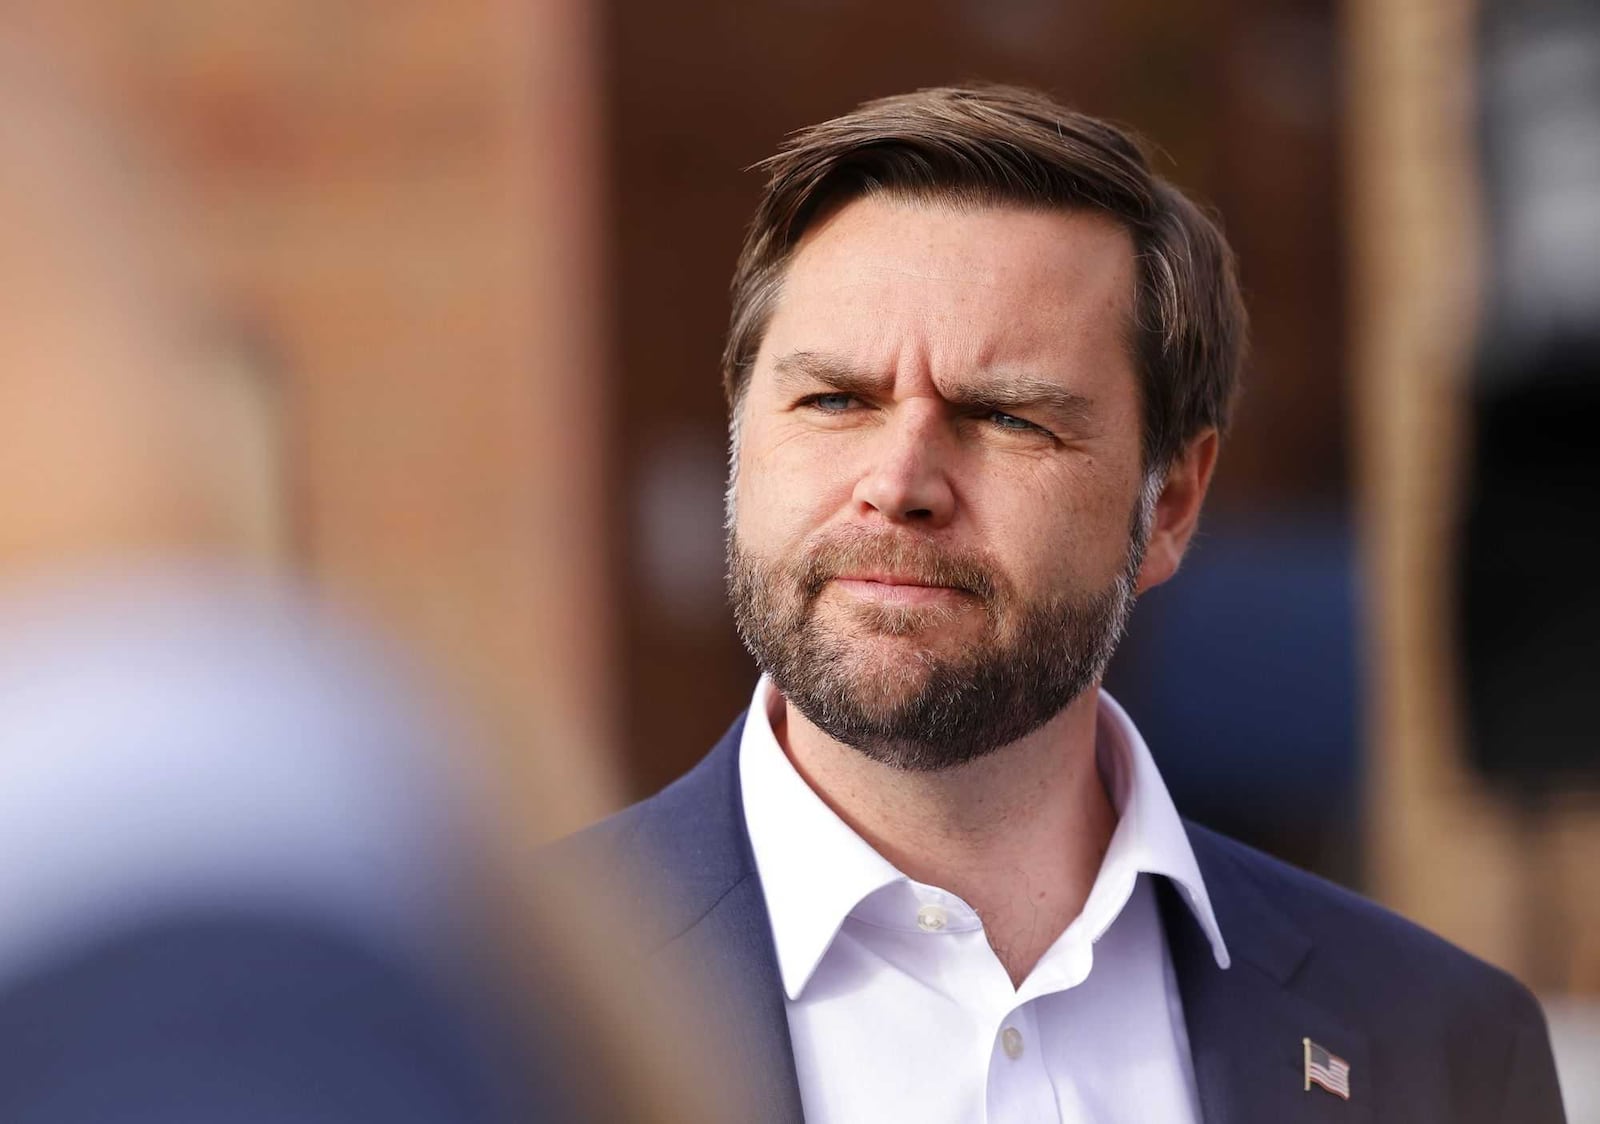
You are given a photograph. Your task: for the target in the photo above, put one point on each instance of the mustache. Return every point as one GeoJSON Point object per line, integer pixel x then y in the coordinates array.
{"type": "Point", "coordinates": [917, 559]}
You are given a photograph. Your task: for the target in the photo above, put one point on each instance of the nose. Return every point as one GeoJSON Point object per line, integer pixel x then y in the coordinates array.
{"type": "Point", "coordinates": [906, 479]}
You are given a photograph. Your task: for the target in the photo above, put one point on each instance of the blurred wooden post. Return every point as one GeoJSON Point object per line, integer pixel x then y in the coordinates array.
{"type": "Point", "coordinates": [568, 698]}
{"type": "Point", "coordinates": [459, 459]}
{"type": "Point", "coordinates": [1442, 850]}
{"type": "Point", "coordinates": [1519, 890]}
{"type": "Point", "coordinates": [455, 414]}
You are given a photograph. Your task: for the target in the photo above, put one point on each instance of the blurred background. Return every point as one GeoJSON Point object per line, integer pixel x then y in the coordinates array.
{"type": "Point", "coordinates": [464, 271]}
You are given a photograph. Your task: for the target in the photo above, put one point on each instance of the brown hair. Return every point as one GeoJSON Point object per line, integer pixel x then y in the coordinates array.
{"type": "Point", "coordinates": [1001, 145]}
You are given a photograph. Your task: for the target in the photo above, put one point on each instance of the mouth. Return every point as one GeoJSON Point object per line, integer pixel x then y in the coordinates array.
{"type": "Point", "coordinates": [896, 589]}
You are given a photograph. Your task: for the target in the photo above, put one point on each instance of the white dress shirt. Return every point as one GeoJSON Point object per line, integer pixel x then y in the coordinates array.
{"type": "Point", "coordinates": [899, 1009]}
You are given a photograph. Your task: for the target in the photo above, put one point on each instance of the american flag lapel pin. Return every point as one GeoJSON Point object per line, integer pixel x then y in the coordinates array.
{"type": "Point", "coordinates": [1326, 1069]}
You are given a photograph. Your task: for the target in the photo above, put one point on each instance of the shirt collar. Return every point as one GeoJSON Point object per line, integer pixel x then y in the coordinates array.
{"type": "Point", "coordinates": [815, 870]}
{"type": "Point", "coordinates": [1149, 837]}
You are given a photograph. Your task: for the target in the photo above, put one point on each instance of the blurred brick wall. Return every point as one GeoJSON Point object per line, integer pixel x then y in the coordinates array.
{"type": "Point", "coordinates": [409, 203]}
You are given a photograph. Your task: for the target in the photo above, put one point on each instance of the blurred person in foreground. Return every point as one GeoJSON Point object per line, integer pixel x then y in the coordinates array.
{"type": "Point", "coordinates": [237, 881]}
{"type": "Point", "coordinates": [980, 362]}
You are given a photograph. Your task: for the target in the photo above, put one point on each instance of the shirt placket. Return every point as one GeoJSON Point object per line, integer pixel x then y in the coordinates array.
{"type": "Point", "coordinates": [1019, 1089]}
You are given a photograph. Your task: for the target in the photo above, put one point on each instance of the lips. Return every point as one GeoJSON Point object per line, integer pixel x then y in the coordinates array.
{"type": "Point", "coordinates": [901, 567]}
{"type": "Point", "coordinates": [895, 589]}
{"type": "Point", "coordinates": [879, 578]}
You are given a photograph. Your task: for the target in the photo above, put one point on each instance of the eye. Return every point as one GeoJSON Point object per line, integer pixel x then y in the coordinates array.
{"type": "Point", "coordinates": [830, 403]}
{"type": "Point", "coordinates": [1011, 422]}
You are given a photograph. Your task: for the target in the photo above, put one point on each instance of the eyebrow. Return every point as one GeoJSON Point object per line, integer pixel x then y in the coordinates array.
{"type": "Point", "coordinates": [989, 390]}
{"type": "Point", "coordinates": [799, 369]}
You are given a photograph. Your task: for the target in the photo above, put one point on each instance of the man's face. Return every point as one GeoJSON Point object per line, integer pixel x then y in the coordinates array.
{"type": "Point", "coordinates": [935, 516]}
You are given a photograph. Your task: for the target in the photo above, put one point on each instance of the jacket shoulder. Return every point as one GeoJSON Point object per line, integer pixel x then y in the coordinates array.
{"type": "Point", "coordinates": [700, 802]}
{"type": "Point", "coordinates": [1364, 949]}
{"type": "Point", "coordinates": [676, 853]}
{"type": "Point", "coordinates": [1440, 1022]}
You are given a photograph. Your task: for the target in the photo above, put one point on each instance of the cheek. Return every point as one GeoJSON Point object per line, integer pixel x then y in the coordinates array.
{"type": "Point", "coordinates": [1062, 528]}
{"type": "Point", "coordinates": [784, 492]}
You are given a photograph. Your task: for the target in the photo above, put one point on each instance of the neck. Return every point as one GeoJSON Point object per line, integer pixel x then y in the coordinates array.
{"type": "Point", "coordinates": [1018, 834]}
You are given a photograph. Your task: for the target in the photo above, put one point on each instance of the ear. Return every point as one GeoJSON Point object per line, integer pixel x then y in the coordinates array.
{"type": "Point", "coordinates": [1177, 512]}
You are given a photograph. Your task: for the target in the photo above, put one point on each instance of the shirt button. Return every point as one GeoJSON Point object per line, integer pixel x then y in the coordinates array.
{"type": "Point", "coordinates": [931, 919]}
{"type": "Point", "coordinates": [1011, 1042]}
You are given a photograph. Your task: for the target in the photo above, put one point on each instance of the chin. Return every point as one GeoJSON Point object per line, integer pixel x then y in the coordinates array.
{"type": "Point", "coordinates": [885, 672]}
{"type": "Point", "coordinates": [934, 626]}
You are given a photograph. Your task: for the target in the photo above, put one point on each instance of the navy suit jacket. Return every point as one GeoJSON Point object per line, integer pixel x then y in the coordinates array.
{"type": "Point", "coordinates": [228, 1017]}
{"type": "Point", "coordinates": [1431, 1034]}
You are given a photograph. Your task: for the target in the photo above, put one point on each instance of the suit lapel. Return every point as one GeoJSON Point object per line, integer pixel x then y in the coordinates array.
{"type": "Point", "coordinates": [1247, 1024]}
{"type": "Point", "coordinates": [730, 950]}
{"type": "Point", "coordinates": [720, 935]}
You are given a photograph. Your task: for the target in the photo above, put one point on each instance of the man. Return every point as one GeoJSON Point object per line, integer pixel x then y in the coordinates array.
{"type": "Point", "coordinates": [979, 364]}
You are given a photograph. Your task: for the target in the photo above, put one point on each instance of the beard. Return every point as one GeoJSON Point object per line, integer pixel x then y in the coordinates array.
{"type": "Point", "coordinates": [866, 682]}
